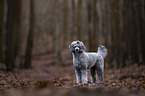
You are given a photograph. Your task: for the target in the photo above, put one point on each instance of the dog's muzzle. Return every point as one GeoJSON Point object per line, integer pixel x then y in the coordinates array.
{"type": "Point", "coordinates": [77, 49]}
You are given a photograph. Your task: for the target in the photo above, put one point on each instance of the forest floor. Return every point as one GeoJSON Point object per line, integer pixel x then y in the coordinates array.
{"type": "Point", "coordinates": [46, 79]}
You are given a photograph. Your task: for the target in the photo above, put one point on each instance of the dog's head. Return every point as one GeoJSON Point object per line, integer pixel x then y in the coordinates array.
{"type": "Point", "coordinates": [77, 47]}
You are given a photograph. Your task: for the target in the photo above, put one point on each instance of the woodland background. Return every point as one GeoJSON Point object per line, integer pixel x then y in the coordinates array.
{"type": "Point", "coordinates": [38, 33]}
{"type": "Point", "coordinates": [33, 27]}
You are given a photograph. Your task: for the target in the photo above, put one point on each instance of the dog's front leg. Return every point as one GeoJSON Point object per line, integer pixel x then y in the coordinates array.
{"type": "Point", "coordinates": [78, 75]}
{"type": "Point", "coordinates": [84, 75]}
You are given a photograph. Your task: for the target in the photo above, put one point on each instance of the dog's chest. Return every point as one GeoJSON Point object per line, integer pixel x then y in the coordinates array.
{"type": "Point", "coordinates": [79, 61]}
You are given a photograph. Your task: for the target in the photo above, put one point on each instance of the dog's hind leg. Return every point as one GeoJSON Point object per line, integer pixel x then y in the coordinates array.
{"type": "Point", "coordinates": [100, 75]}
{"type": "Point", "coordinates": [93, 74]}
{"type": "Point", "coordinates": [100, 68]}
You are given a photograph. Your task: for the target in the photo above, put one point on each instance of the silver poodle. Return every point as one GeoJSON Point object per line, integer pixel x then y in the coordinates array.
{"type": "Point", "coordinates": [88, 60]}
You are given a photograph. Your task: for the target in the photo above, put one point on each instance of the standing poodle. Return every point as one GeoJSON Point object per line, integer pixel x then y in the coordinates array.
{"type": "Point", "coordinates": [88, 60]}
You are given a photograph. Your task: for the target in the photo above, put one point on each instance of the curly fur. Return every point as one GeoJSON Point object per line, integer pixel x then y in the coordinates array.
{"type": "Point", "coordinates": [88, 60]}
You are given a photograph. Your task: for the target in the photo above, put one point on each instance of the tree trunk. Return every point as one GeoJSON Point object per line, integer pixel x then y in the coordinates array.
{"type": "Point", "coordinates": [66, 18]}
{"type": "Point", "coordinates": [79, 19]}
{"type": "Point", "coordinates": [18, 36]}
{"type": "Point", "coordinates": [92, 25]}
{"type": "Point", "coordinates": [1, 31]}
{"type": "Point", "coordinates": [9, 52]}
{"type": "Point", "coordinates": [89, 25]}
{"type": "Point", "coordinates": [29, 47]}
{"type": "Point", "coordinates": [58, 30]}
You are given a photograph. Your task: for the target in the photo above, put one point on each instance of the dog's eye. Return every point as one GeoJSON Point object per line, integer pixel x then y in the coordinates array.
{"type": "Point", "coordinates": [82, 46]}
{"type": "Point", "coordinates": [102, 47]}
{"type": "Point", "coordinates": [73, 46]}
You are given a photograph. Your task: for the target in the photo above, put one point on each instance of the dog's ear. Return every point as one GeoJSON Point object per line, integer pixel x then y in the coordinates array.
{"type": "Point", "coordinates": [69, 46]}
{"type": "Point", "coordinates": [84, 47]}
{"type": "Point", "coordinates": [71, 49]}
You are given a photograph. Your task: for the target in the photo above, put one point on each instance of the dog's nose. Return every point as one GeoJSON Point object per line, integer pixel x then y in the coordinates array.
{"type": "Point", "coordinates": [76, 49]}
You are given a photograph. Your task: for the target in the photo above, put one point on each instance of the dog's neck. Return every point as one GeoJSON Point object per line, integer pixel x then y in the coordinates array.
{"type": "Point", "coordinates": [78, 54]}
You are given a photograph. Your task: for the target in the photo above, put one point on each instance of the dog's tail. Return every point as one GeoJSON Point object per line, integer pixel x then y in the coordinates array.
{"type": "Point", "coordinates": [102, 50]}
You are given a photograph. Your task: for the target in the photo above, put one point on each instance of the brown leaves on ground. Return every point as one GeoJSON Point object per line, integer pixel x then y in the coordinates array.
{"type": "Point", "coordinates": [46, 79]}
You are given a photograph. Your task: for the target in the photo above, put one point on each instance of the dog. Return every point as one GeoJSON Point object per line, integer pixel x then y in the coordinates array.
{"type": "Point", "coordinates": [88, 60]}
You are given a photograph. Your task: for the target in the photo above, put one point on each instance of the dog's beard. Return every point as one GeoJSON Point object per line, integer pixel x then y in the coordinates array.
{"type": "Point", "coordinates": [81, 51]}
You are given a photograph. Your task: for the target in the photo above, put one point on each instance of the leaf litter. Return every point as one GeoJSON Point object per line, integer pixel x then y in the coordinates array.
{"type": "Point", "coordinates": [45, 79]}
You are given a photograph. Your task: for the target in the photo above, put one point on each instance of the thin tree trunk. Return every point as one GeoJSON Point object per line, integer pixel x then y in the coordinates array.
{"type": "Point", "coordinates": [73, 21]}
{"type": "Point", "coordinates": [76, 36]}
{"type": "Point", "coordinates": [9, 52]}
{"type": "Point", "coordinates": [18, 37]}
{"type": "Point", "coordinates": [79, 19]}
{"type": "Point", "coordinates": [66, 22]}
{"type": "Point", "coordinates": [1, 30]}
{"type": "Point", "coordinates": [29, 47]}
{"type": "Point", "coordinates": [141, 24]}
{"type": "Point", "coordinates": [57, 46]}
{"type": "Point", "coordinates": [89, 25]}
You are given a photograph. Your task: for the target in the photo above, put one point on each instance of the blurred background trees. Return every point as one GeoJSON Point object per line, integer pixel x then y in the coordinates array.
{"type": "Point", "coordinates": [117, 24]}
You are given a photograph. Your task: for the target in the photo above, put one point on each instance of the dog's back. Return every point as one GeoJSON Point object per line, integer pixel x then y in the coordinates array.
{"type": "Point", "coordinates": [92, 58]}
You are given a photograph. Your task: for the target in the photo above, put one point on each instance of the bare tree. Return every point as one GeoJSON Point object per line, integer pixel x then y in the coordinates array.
{"type": "Point", "coordinates": [92, 25]}
{"type": "Point", "coordinates": [29, 47]}
{"type": "Point", "coordinates": [1, 30]}
{"type": "Point", "coordinates": [58, 30]}
{"type": "Point", "coordinates": [9, 52]}
{"type": "Point", "coordinates": [79, 19]}
{"type": "Point", "coordinates": [66, 19]}
{"type": "Point", "coordinates": [18, 36]}
{"type": "Point", "coordinates": [73, 20]}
